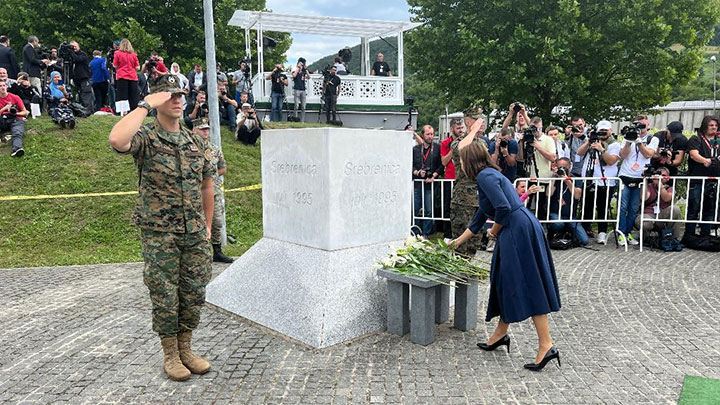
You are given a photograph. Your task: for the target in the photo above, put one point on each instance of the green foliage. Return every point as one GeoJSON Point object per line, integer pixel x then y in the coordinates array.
{"type": "Point", "coordinates": [701, 87]}
{"type": "Point", "coordinates": [174, 28]}
{"type": "Point", "coordinates": [591, 56]}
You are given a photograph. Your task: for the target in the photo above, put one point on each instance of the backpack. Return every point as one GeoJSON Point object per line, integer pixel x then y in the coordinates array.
{"type": "Point", "coordinates": [704, 243]}
{"type": "Point", "coordinates": [562, 240]}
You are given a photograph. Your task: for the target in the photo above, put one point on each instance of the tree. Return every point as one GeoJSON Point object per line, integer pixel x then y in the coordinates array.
{"type": "Point", "coordinates": [174, 28]}
{"type": "Point", "coordinates": [591, 56]}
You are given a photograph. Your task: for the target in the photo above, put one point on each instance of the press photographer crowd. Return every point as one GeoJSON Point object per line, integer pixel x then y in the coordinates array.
{"type": "Point", "coordinates": [579, 180]}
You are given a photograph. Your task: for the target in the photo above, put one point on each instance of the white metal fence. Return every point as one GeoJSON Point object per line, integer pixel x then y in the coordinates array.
{"type": "Point", "coordinates": [680, 202]}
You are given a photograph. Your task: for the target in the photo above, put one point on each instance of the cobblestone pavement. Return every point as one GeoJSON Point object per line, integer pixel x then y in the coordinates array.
{"type": "Point", "coordinates": [631, 327]}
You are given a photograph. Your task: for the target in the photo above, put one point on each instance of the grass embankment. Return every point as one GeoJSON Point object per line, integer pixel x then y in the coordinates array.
{"type": "Point", "coordinates": [97, 229]}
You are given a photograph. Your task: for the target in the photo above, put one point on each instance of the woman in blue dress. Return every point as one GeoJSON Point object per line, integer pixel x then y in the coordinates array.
{"type": "Point", "coordinates": [522, 275]}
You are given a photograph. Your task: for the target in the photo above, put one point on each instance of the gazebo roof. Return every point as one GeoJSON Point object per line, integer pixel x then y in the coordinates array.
{"type": "Point", "coordinates": [318, 25]}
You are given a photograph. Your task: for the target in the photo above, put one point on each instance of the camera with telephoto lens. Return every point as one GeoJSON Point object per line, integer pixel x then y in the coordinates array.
{"type": "Point", "coordinates": [10, 114]}
{"type": "Point", "coordinates": [517, 107]}
{"type": "Point", "coordinates": [594, 136]}
{"type": "Point", "coordinates": [204, 107]}
{"type": "Point", "coordinates": [632, 132]}
{"type": "Point", "coordinates": [666, 153]}
{"type": "Point", "coordinates": [504, 143]}
{"type": "Point", "coordinates": [529, 134]}
{"type": "Point", "coordinates": [562, 172]}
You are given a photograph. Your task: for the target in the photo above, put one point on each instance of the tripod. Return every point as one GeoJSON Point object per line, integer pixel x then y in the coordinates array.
{"type": "Point", "coordinates": [530, 162]}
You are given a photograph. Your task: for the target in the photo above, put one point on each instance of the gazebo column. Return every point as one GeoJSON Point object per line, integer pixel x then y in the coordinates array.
{"type": "Point", "coordinates": [260, 64]}
{"type": "Point", "coordinates": [401, 66]}
{"type": "Point", "coordinates": [364, 56]}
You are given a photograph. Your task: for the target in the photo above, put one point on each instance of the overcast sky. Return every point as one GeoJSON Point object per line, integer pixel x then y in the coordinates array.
{"type": "Point", "coordinates": [313, 47]}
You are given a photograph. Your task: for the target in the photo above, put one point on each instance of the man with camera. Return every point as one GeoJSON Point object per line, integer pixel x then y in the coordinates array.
{"type": "Point", "coordinates": [658, 205]}
{"type": "Point", "coordinates": [331, 90]}
{"type": "Point", "coordinates": [81, 76]}
{"type": "Point", "coordinates": [249, 126]}
{"type": "Point", "coordinates": [300, 77]}
{"type": "Point", "coordinates": [155, 66]}
{"type": "Point", "coordinates": [503, 151]}
{"type": "Point", "coordinates": [704, 152]}
{"type": "Point", "coordinates": [198, 108]}
{"type": "Point", "coordinates": [671, 148]}
{"type": "Point", "coordinates": [279, 80]}
{"type": "Point", "coordinates": [12, 118]}
{"type": "Point", "coordinates": [638, 148]}
{"type": "Point", "coordinates": [602, 155]}
{"type": "Point", "coordinates": [241, 81]}
{"type": "Point", "coordinates": [228, 108]}
{"type": "Point", "coordinates": [32, 64]}
{"type": "Point", "coordinates": [427, 167]}
{"type": "Point", "coordinates": [564, 200]}
{"type": "Point", "coordinates": [23, 89]}
{"type": "Point", "coordinates": [538, 154]}
{"type": "Point", "coordinates": [574, 138]}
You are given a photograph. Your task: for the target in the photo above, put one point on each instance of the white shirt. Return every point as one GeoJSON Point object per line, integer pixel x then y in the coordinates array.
{"type": "Point", "coordinates": [562, 150]}
{"type": "Point", "coordinates": [340, 67]}
{"type": "Point", "coordinates": [610, 170]}
{"type": "Point", "coordinates": [198, 79]}
{"type": "Point", "coordinates": [634, 164]}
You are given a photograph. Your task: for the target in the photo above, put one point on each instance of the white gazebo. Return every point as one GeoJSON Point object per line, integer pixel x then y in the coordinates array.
{"type": "Point", "coordinates": [360, 89]}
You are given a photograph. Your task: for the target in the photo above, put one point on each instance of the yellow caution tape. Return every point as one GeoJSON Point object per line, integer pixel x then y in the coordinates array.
{"type": "Point", "coordinates": [111, 194]}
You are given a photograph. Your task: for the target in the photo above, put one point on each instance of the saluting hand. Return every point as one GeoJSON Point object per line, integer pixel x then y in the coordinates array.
{"type": "Point", "coordinates": [157, 99]}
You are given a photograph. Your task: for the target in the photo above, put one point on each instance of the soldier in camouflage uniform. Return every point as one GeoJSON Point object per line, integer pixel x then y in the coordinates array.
{"type": "Point", "coordinates": [201, 126]}
{"type": "Point", "coordinates": [174, 209]}
{"type": "Point", "coordinates": [464, 201]}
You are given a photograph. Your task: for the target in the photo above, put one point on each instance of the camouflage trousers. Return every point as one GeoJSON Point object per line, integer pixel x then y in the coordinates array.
{"type": "Point", "coordinates": [218, 213]}
{"type": "Point", "coordinates": [177, 269]}
{"type": "Point", "coordinates": [460, 218]}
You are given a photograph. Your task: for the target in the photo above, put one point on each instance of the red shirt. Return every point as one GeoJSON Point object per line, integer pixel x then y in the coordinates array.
{"type": "Point", "coordinates": [126, 65]}
{"type": "Point", "coordinates": [444, 150]}
{"type": "Point", "coordinates": [161, 67]}
{"type": "Point", "coordinates": [12, 99]}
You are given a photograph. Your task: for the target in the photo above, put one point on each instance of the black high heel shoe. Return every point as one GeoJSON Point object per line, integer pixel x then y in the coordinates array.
{"type": "Point", "coordinates": [504, 341]}
{"type": "Point", "coordinates": [553, 353]}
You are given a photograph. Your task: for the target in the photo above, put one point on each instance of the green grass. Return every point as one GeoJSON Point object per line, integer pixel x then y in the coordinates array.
{"type": "Point", "coordinates": [700, 391]}
{"type": "Point", "coordinates": [98, 229]}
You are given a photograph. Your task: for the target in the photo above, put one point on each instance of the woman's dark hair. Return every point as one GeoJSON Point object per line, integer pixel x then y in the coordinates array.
{"type": "Point", "coordinates": [706, 123]}
{"type": "Point", "coordinates": [474, 158]}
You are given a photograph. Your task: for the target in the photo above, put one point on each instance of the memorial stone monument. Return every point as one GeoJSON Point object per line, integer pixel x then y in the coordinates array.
{"type": "Point", "coordinates": [334, 200]}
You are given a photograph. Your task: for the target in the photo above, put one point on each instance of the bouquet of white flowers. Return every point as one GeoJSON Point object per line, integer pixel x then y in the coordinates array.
{"type": "Point", "coordinates": [435, 261]}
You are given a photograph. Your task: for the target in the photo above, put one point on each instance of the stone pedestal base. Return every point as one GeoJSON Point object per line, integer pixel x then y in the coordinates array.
{"type": "Point", "coordinates": [315, 296]}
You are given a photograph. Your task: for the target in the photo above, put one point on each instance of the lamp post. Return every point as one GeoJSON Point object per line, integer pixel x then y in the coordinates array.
{"type": "Point", "coordinates": [714, 59]}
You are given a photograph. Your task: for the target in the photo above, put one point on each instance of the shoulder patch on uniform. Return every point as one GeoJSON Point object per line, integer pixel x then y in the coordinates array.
{"type": "Point", "coordinates": [193, 147]}
{"type": "Point", "coordinates": [208, 154]}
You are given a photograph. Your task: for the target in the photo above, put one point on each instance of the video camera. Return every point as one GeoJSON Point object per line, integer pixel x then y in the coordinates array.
{"type": "Point", "coordinates": [245, 70]}
{"type": "Point", "coordinates": [345, 54]}
{"type": "Point", "coordinates": [65, 51]}
{"type": "Point", "coordinates": [632, 132]}
{"type": "Point", "coordinates": [529, 134]}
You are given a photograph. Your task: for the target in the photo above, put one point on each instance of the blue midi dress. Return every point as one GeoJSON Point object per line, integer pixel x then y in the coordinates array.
{"type": "Point", "coordinates": [522, 273]}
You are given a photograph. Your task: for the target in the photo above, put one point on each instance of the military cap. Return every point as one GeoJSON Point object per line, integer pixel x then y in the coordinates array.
{"type": "Point", "coordinates": [165, 83]}
{"type": "Point", "coordinates": [201, 123]}
{"type": "Point", "coordinates": [474, 111]}
{"type": "Point", "coordinates": [456, 121]}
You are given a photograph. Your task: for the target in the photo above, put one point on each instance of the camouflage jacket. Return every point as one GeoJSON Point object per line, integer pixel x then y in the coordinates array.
{"type": "Point", "coordinates": [465, 189]}
{"type": "Point", "coordinates": [171, 169]}
{"type": "Point", "coordinates": [218, 162]}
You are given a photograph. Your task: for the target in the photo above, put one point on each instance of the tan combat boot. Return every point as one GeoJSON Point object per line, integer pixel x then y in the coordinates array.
{"type": "Point", "coordinates": [196, 364]}
{"type": "Point", "coordinates": [171, 361]}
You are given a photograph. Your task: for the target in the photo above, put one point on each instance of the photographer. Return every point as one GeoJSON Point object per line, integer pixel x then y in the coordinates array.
{"type": "Point", "coordinates": [249, 126]}
{"type": "Point", "coordinates": [32, 64]}
{"type": "Point", "coordinates": [427, 166]}
{"type": "Point", "coordinates": [241, 81]}
{"type": "Point", "coordinates": [56, 64]}
{"type": "Point", "coordinates": [562, 193]}
{"type": "Point", "coordinates": [24, 90]}
{"type": "Point", "coordinates": [228, 108]}
{"type": "Point", "coordinates": [671, 148]}
{"type": "Point", "coordinates": [198, 108]}
{"type": "Point", "coordinates": [522, 119]}
{"type": "Point", "coordinates": [300, 77]}
{"type": "Point", "coordinates": [81, 76]}
{"type": "Point", "coordinates": [602, 155]}
{"type": "Point", "coordinates": [538, 154]}
{"type": "Point", "coordinates": [574, 138]}
{"type": "Point", "coordinates": [340, 67]}
{"type": "Point", "coordinates": [221, 76]}
{"type": "Point", "coordinates": [703, 162]}
{"type": "Point", "coordinates": [12, 118]}
{"type": "Point", "coordinates": [638, 148]}
{"type": "Point", "coordinates": [331, 90]}
{"type": "Point", "coordinates": [503, 151]}
{"type": "Point", "coordinates": [659, 206]}
{"type": "Point", "coordinates": [279, 81]}
{"type": "Point", "coordinates": [154, 67]}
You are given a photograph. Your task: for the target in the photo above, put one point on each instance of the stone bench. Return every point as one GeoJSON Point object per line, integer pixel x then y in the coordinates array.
{"type": "Point", "coordinates": [430, 305]}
